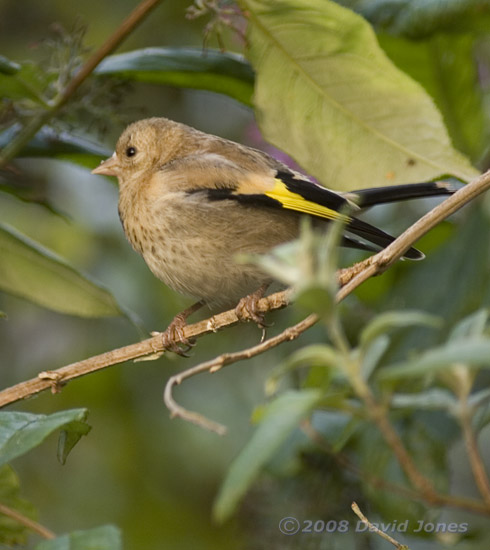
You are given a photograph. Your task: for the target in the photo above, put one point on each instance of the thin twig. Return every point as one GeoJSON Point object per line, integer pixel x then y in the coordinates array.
{"type": "Point", "coordinates": [375, 529]}
{"type": "Point", "coordinates": [35, 124]}
{"type": "Point", "coordinates": [222, 361]}
{"type": "Point", "coordinates": [378, 414]}
{"type": "Point", "coordinates": [27, 522]}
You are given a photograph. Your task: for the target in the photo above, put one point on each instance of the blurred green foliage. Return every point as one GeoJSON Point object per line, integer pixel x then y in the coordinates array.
{"type": "Point", "coordinates": [158, 479]}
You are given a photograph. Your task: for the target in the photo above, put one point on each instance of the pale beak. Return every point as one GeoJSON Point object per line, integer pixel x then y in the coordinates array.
{"type": "Point", "coordinates": [108, 167]}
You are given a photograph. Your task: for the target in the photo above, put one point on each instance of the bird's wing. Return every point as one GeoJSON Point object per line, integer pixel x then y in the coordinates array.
{"type": "Point", "coordinates": [219, 178]}
{"type": "Point", "coordinates": [273, 185]}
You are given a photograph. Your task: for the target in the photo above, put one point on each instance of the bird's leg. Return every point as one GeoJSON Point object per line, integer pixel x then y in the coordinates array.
{"type": "Point", "coordinates": [247, 308]}
{"type": "Point", "coordinates": [174, 335]}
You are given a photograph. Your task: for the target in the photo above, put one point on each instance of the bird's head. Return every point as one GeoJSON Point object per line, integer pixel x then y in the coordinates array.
{"type": "Point", "coordinates": [143, 147]}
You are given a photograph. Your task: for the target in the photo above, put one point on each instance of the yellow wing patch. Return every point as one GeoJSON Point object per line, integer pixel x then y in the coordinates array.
{"type": "Point", "coordinates": [294, 201]}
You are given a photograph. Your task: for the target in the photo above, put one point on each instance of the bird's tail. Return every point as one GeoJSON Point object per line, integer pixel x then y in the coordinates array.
{"type": "Point", "coordinates": [394, 193]}
{"type": "Point", "coordinates": [365, 198]}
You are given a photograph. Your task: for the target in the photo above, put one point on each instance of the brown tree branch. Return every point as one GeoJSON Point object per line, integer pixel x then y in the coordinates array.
{"type": "Point", "coordinates": [55, 379]}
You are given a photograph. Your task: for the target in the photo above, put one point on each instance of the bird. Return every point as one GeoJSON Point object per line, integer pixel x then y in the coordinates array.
{"type": "Point", "coordinates": [189, 202]}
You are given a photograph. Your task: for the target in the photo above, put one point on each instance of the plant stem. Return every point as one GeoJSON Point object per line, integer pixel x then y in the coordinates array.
{"type": "Point", "coordinates": [27, 522]}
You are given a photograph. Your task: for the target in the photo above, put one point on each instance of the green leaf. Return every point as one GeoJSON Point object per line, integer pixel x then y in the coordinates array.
{"type": "Point", "coordinates": [225, 73]}
{"type": "Point", "coordinates": [473, 352]}
{"type": "Point", "coordinates": [61, 145]}
{"type": "Point", "coordinates": [315, 356]}
{"type": "Point", "coordinates": [422, 18]}
{"type": "Point", "coordinates": [433, 399]}
{"type": "Point", "coordinates": [471, 326]}
{"type": "Point", "coordinates": [372, 354]}
{"type": "Point", "coordinates": [281, 417]}
{"type": "Point", "coordinates": [390, 320]}
{"type": "Point", "coordinates": [479, 398]}
{"type": "Point", "coordinates": [8, 67]}
{"type": "Point", "coordinates": [70, 435]}
{"type": "Point", "coordinates": [13, 533]}
{"type": "Point", "coordinates": [106, 537]}
{"type": "Point", "coordinates": [20, 432]}
{"type": "Point", "coordinates": [328, 95]}
{"type": "Point", "coordinates": [315, 299]}
{"type": "Point", "coordinates": [29, 270]}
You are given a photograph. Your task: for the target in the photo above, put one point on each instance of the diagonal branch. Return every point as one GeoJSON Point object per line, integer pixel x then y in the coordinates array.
{"type": "Point", "coordinates": [146, 349]}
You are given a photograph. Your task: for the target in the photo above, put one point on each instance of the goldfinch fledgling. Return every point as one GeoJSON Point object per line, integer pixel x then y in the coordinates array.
{"type": "Point", "coordinates": [190, 202]}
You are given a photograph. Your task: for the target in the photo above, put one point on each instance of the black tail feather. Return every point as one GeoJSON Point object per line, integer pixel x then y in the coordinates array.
{"type": "Point", "coordinates": [394, 193]}
{"type": "Point", "coordinates": [379, 237]}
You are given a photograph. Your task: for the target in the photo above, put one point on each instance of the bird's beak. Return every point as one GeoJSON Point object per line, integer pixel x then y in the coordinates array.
{"type": "Point", "coordinates": [108, 167]}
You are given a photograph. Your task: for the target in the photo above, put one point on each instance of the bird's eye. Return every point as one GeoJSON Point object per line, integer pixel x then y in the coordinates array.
{"type": "Point", "coordinates": [130, 152]}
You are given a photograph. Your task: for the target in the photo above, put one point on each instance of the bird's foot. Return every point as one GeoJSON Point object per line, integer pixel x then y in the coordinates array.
{"type": "Point", "coordinates": [247, 308]}
{"type": "Point", "coordinates": [174, 339]}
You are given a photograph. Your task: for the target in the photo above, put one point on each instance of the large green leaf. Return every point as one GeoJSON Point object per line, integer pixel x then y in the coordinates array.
{"type": "Point", "coordinates": [107, 537]}
{"type": "Point", "coordinates": [212, 70]}
{"type": "Point", "coordinates": [31, 271]}
{"type": "Point", "coordinates": [281, 417]}
{"type": "Point", "coordinates": [328, 95]}
{"type": "Point", "coordinates": [20, 432]}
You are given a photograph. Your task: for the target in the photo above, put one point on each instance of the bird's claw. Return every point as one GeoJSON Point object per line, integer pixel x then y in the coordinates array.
{"type": "Point", "coordinates": [247, 310]}
{"type": "Point", "coordinates": [174, 339]}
